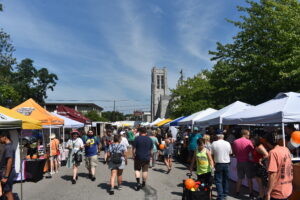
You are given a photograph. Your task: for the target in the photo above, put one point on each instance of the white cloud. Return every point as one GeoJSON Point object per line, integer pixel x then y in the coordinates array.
{"type": "Point", "coordinates": [196, 22]}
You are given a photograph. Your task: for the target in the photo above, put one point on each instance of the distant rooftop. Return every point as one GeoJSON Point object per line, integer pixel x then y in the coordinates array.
{"type": "Point", "coordinates": [74, 104]}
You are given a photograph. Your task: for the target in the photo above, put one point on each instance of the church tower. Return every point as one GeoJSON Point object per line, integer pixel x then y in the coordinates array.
{"type": "Point", "coordinates": [159, 92]}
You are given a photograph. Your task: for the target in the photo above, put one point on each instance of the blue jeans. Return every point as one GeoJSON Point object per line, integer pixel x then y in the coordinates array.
{"type": "Point", "coordinates": [221, 179]}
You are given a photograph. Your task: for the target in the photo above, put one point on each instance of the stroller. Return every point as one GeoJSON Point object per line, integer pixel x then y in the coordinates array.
{"type": "Point", "coordinates": [202, 192]}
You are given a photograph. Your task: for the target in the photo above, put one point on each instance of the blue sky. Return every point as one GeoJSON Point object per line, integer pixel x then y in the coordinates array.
{"type": "Point", "coordinates": [105, 50]}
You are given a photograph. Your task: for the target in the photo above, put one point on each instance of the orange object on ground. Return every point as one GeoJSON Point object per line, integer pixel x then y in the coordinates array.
{"type": "Point", "coordinates": [296, 137]}
{"type": "Point", "coordinates": [161, 146]}
{"type": "Point", "coordinates": [189, 183]}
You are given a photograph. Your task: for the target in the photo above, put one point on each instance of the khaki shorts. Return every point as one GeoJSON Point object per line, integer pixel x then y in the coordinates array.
{"type": "Point", "coordinates": [245, 168]}
{"type": "Point", "coordinates": [91, 161]}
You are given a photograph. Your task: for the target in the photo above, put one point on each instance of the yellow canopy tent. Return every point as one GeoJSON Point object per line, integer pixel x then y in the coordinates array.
{"type": "Point", "coordinates": [27, 122]}
{"type": "Point", "coordinates": [34, 110]}
{"type": "Point", "coordinates": [163, 122]}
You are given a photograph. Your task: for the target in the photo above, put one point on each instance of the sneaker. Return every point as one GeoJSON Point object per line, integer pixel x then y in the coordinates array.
{"type": "Point", "coordinates": [119, 187]}
{"type": "Point", "coordinates": [169, 170]}
{"type": "Point", "coordinates": [111, 191]}
{"type": "Point", "coordinates": [93, 178]}
{"type": "Point", "coordinates": [138, 187]}
{"type": "Point", "coordinates": [143, 185]}
{"type": "Point", "coordinates": [73, 181]}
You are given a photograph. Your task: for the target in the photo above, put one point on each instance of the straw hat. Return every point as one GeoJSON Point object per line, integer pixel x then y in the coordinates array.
{"type": "Point", "coordinates": [52, 136]}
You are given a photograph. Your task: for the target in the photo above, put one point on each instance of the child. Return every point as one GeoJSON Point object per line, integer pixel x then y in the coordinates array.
{"type": "Point", "coordinates": [204, 163]}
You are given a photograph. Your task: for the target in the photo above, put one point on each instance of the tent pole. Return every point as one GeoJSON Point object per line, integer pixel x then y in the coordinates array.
{"type": "Point", "coordinates": [21, 163]}
{"type": "Point", "coordinates": [50, 153]}
{"type": "Point", "coordinates": [283, 133]}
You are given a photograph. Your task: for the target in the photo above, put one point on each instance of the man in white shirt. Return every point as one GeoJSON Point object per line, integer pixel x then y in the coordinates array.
{"type": "Point", "coordinates": [124, 140]}
{"type": "Point", "coordinates": [221, 151]}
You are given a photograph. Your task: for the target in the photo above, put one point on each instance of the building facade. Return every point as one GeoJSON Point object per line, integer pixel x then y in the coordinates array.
{"type": "Point", "coordinates": [159, 93]}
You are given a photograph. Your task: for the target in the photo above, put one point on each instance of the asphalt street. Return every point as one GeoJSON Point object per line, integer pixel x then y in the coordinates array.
{"type": "Point", "coordinates": [160, 186]}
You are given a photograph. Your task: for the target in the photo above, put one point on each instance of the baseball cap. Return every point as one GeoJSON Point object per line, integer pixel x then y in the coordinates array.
{"type": "Point", "coordinates": [196, 129]}
{"type": "Point", "coordinates": [122, 132]}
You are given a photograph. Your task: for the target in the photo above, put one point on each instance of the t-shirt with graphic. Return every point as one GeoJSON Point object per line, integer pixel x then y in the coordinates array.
{"type": "Point", "coordinates": [203, 165]}
{"type": "Point", "coordinates": [91, 149]}
{"type": "Point", "coordinates": [280, 162]}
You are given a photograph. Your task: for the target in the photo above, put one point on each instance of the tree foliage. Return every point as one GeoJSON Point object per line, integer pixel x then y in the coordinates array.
{"type": "Point", "coordinates": [262, 60]}
{"type": "Point", "coordinates": [191, 95]}
{"type": "Point", "coordinates": [113, 116]}
{"type": "Point", "coordinates": [94, 116]}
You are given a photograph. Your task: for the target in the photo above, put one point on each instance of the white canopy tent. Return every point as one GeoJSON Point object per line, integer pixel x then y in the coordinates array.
{"type": "Point", "coordinates": [69, 123]}
{"type": "Point", "coordinates": [196, 116]}
{"type": "Point", "coordinates": [7, 122]}
{"type": "Point", "coordinates": [284, 108]}
{"type": "Point", "coordinates": [216, 118]}
{"type": "Point", "coordinates": [156, 121]}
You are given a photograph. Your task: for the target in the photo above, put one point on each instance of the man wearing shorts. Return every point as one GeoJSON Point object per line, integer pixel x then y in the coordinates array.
{"type": "Point", "coordinates": [7, 165]}
{"type": "Point", "coordinates": [241, 148]}
{"type": "Point", "coordinates": [92, 147]}
{"type": "Point", "coordinates": [142, 150]}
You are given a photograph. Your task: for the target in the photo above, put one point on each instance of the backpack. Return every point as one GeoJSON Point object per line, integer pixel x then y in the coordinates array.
{"type": "Point", "coordinates": [116, 158]}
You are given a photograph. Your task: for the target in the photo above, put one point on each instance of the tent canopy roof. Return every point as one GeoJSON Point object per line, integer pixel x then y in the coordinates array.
{"type": "Point", "coordinates": [72, 114]}
{"type": "Point", "coordinates": [284, 108]}
{"type": "Point", "coordinates": [34, 110]}
{"type": "Point", "coordinates": [27, 122]}
{"type": "Point", "coordinates": [69, 123]}
{"type": "Point", "coordinates": [9, 122]}
{"type": "Point", "coordinates": [196, 116]}
{"type": "Point", "coordinates": [163, 122]}
{"type": "Point", "coordinates": [217, 117]}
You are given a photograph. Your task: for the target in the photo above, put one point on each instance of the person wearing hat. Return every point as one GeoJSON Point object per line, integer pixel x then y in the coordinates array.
{"type": "Point", "coordinates": [192, 146]}
{"type": "Point", "coordinates": [7, 165]}
{"type": "Point", "coordinates": [124, 140]}
{"type": "Point", "coordinates": [54, 144]}
{"type": "Point", "coordinates": [75, 146]}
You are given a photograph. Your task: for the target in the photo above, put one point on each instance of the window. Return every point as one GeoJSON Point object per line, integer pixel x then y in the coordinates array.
{"type": "Point", "coordinates": [162, 82]}
{"type": "Point", "coordinates": [158, 81]}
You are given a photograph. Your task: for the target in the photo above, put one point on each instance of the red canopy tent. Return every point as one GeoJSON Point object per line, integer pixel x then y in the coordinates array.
{"type": "Point", "coordinates": [72, 114]}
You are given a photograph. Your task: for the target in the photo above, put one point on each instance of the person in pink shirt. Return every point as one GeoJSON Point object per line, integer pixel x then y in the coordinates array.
{"type": "Point", "coordinates": [242, 148]}
{"type": "Point", "coordinates": [280, 172]}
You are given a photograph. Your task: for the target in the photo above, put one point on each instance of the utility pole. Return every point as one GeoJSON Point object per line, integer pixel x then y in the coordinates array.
{"type": "Point", "coordinates": [114, 112]}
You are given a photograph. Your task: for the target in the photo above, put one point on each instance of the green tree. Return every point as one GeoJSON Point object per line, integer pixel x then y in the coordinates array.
{"type": "Point", "coordinates": [9, 97]}
{"type": "Point", "coordinates": [94, 116]}
{"type": "Point", "coordinates": [264, 58]}
{"type": "Point", "coordinates": [113, 116]}
{"type": "Point", "coordinates": [192, 95]}
{"type": "Point", "coordinates": [33, 83]}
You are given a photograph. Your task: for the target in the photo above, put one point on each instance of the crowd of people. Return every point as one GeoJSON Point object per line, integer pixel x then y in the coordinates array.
{"type": "Point", "coordinates": [259, 157]}
{"type": "Point", "coordinates": [263, 159]}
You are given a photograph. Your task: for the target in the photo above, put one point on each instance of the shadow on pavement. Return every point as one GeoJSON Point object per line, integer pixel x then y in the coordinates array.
{"type": "Point", "coordinates": [67, 177]}
{"type": "Point", "coordinates": [150, 193]}
{"type": "Point", "coordinates": [160, 170]}
{"type": "Point", "coordinates": [104, 186]}
{"type": "Point", "coordinates": [177, 193]}
{"type": "Point", "coordinates": [131, 185]}
{"type": "Point", "coordinates": [182, 168]}
{"type": "Point", "coordinates": [84, 175]}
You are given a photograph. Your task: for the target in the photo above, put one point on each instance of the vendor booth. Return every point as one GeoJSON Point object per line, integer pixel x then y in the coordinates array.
{"type": "Point", "coordinates": [196, 116]}
{"type": "Point", "coordinates": [284, 108]}
{"type": "Point", "coordinates": [216, 118]}
{"type": "Point", "coordinates": [156, 121]}
{"type": "Point", "coordinates": [32, 109]}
